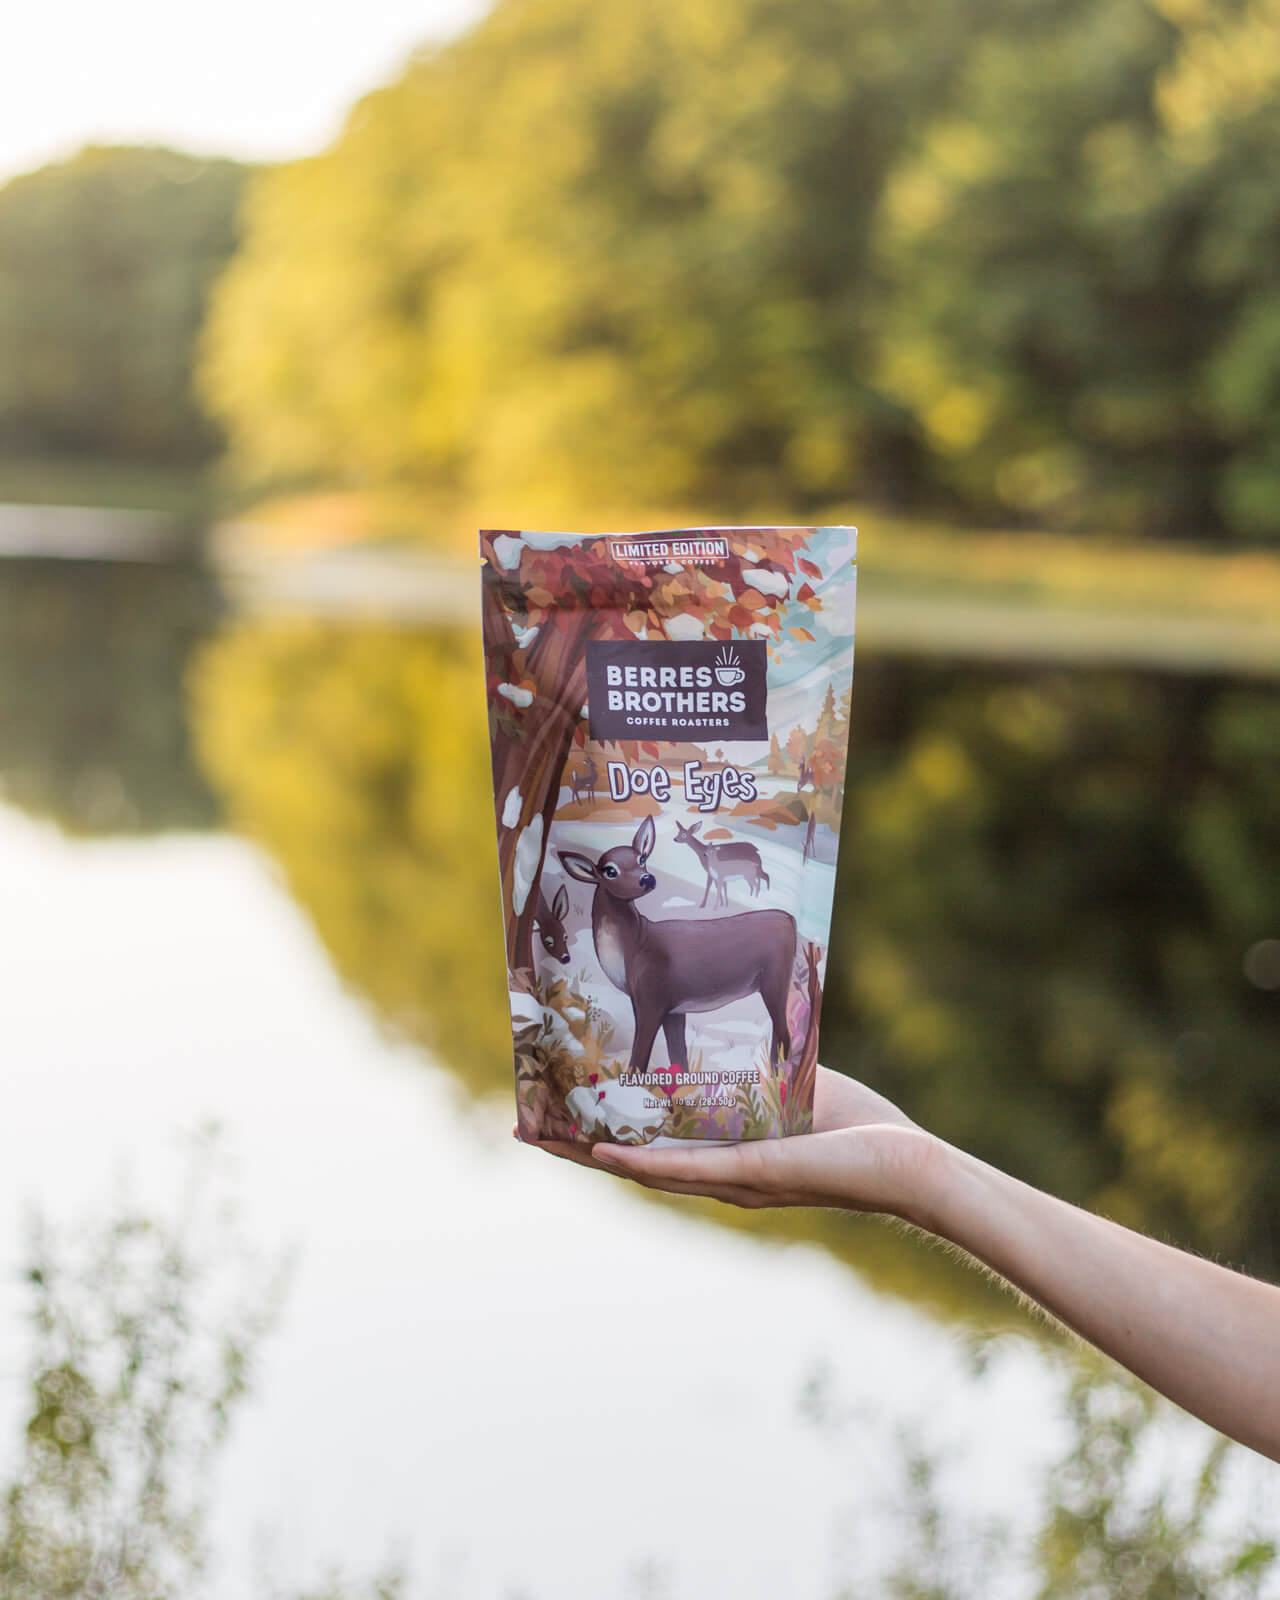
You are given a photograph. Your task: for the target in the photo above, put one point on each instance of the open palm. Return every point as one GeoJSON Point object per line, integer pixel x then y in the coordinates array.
{"type": "Point", "coordinates": [864, 1153]}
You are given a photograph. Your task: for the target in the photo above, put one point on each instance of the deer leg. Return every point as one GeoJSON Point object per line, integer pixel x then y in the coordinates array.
{"type": "Point", "coordinates": [775, 991]}
{"type": "Point", "coordinates": [642, 1044]}
{"type": "Point", "coordinates": [707, 890]}
{"type": "Point", "coordinates": [781, 1035]}
{"type": "Point", "coordinates": [673, 1031]}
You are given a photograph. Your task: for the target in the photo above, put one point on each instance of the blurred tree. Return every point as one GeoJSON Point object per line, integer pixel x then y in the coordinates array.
{"type": "Point", "coordinates": [1019, 259]}
{"type": "Point", "coordinates": [1085, 246]}
{"type": "Point", "coordinates": [105, 264]}
{"type": "Point", "coordinates": [1050, 887]}
{"type": "Point", "coordinates": [676, 298]}
{"type": "Point", "coordinates": [358, 756]}
{"type": "Point", "coordinates": [145, 1333]}
{"type": "Point", "coordinates": [93, 721]}
{"type": "Point", "coordinates": [1122, 1516]}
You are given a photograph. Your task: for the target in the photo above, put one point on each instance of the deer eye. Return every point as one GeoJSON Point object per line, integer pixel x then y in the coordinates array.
{"type": "Point", "coordinates": [550, 943]}
{"type": "Point", "coordinates": [643, 859]}
{"type": "Point", "coordinates": [610, 871]}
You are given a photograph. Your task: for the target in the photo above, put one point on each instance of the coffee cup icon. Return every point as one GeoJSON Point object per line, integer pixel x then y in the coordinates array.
{"type": "Point", "coordinates": [728, 669]}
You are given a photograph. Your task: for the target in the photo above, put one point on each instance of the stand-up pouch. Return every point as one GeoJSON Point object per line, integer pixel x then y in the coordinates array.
{"type": "Point", "coordinates": [669, 722]}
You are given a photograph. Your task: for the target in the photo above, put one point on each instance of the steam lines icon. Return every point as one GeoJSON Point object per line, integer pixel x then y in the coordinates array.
{"type": "Point", "coordinates": [728, 667]}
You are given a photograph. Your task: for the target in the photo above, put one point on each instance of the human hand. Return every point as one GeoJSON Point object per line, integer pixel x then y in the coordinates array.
{"type": "Point", "coordinates": [864, 1154]}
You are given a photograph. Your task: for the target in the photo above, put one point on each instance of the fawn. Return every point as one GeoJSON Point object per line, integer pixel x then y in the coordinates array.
{"type": "Point", "coordinates": [670, 967]}
{"type": "Point", "coordinates": [583, 781]}
{"type": "Point", "coordinates": [724, 861]}
{"type": "Point", "coordinates": [550, 921]}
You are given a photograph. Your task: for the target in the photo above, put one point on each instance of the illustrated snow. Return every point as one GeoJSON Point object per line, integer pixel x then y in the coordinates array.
{"type": "Point", "coordinates": [528, 854]}
{"type": "Point", "coordinates": [511, 811]}
{"type": "Point", "coordinates": [766, 581]}
{"type": "Point", "coordinates": [507, 551]}
{"type": "Point", "coordinates": [685, 626]}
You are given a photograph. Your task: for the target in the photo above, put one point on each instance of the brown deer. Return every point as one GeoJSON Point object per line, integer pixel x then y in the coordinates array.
{"type": "Point", "coordinates": [724, 861]}
{"type": "Point", "coordinates": [550, 923]}
{"type": "Point", "coordinates": [583, 781]}
{"type": "Point", "coordinates": [671, 967]}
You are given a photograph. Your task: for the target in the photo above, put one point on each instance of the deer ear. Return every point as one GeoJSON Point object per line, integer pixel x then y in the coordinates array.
{"type": "Point", "coordinates": [560, 904]}
{"type": "Point", "coordinates": [643, 842]}
{"type": "Point", "coordinates": [583, 868]}
{"type": "Point", "coordinates": [695, 827]}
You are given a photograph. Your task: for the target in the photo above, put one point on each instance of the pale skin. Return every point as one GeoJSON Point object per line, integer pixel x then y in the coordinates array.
{"type": "Point", "coordinates": [1206, 1337]}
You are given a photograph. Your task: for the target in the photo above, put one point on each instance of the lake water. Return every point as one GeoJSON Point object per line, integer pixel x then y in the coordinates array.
{"type": "Point", "coordinates": [461, 1372]}
{"type": "Point", "coordinates": [527, 1379]}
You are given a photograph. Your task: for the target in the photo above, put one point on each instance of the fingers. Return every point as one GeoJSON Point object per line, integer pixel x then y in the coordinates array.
{"type": "Point", "coordinates": [650, 1174]}
{"type": "Point", "coordinates": [703, 1164]}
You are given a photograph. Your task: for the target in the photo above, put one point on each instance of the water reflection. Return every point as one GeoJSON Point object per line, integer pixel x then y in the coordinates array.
{"type": "Point", "coordinates": [93, 724]}
{"type": "Point", "coordinates": [1056, 922]}
{"type": "Point", "coordinates": [1050, 886]}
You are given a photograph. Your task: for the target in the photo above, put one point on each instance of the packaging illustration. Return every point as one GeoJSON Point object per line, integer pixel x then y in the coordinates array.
{"type": "Point", "coordinates": [669, 723]}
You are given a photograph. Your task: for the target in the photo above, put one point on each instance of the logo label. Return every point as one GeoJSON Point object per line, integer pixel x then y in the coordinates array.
{"type": "Point", "coordinates": [657, 552]}
{"type": "Point", "coordinates": [675, 691]}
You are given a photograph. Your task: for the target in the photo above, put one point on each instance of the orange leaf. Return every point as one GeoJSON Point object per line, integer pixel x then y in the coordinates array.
{"type": "Point", "coordinates": [802, 633]}
{"type": "Point", "coordinates": [752, 599]}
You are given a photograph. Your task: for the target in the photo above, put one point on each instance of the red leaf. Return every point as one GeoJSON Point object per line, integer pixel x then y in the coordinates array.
{"type": "Point", "coordinates": [811, 567]}
{"type": "Point", "coordinates": [650, 749]}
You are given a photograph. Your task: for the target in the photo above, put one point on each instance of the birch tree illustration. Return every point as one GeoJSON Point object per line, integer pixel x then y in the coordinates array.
{"type": "Point", "coordinates": [541, 608]}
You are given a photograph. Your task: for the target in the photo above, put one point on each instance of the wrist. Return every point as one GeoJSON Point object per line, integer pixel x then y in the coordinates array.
{"type": "Point", "coordinates": [912, 1179]}
{"type": "Point", "coordinates": [925, 1180]}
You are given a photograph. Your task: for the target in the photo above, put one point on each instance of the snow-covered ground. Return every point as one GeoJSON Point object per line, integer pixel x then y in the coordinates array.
{"type": "Point", "coordinates": [729, 1039]}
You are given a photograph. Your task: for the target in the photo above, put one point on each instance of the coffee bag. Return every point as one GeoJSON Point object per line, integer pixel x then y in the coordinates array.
{"type": "Point", "coordinates": [669, 723]}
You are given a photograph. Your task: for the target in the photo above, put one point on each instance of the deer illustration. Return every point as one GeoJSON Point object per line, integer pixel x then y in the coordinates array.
{"type": "Point", "coordinates": [550, 922]}
{"type": "Point", "coordinates": [583, 781]}
{"type": "Point", "coordinates": [724, 861]}
{"type": "Point", "coordinates": [671, 967]}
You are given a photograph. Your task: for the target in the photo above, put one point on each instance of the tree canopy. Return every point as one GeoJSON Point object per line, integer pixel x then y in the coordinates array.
{"type": "Point", "coordinates": [105, 265]}
{"type": "Point", "coordinates": [1017, 258]}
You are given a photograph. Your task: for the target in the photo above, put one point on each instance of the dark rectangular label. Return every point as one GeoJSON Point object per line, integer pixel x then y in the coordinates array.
{"type": "Point", "coordinates": [673, 690]}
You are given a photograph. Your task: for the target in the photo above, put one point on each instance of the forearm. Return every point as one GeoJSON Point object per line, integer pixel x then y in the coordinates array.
{"type": "Point", "coordinates": [1206, 1337]}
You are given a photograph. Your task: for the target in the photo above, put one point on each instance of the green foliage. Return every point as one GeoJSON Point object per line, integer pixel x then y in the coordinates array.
{"type": "Point", "coordinates": [145, 1332]}
{"type": "Point", "coordinates": [1096, 343]}
{"type": "Point", "coordinates": [675, 298]}
{"type": "Point", "coordinates": [1050, 884]}
{"type": "Point", "coordinates": [358, 756]}
{"type": "Point", "coordinates": [1018, 257]}
{"type": "Point", "coordinates": [1122, 1516]}
{"type": "Point", "coordinates": [1049, 887]}
{"type": "Point", "coordinates": [1105, 1538]}
{"type": "Point", "coordinates": [105, 265]}
{"type": "Point", "coordinates": [93, 724]}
